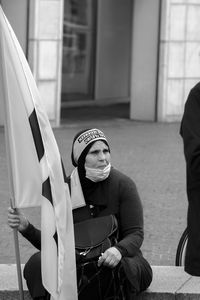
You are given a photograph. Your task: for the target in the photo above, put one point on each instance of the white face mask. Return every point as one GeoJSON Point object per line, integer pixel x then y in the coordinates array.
{"type": "Point", "coordinates": [96, 175]}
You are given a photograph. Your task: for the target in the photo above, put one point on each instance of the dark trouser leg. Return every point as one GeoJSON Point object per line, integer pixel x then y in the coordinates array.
{"type": "Point", "coordinates": [32, 274]}
{"type": "Point", "coordinates": [98, 283]}
{"type": "Point", "coordinates": [138, 273]}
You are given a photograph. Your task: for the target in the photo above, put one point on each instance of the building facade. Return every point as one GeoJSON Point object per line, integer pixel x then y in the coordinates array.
{"type": "Point", "coordinates": [179, 62]}
{"type": "Point", "coordinates": [97, 52]}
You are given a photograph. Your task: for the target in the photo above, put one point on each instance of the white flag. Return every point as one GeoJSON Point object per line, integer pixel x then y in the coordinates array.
{"type": "Point", "coordinates": [35, 170]}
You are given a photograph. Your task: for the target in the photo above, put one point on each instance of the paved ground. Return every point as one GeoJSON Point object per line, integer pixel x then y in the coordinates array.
{"type": "Point", "coordinates": [151, 153]}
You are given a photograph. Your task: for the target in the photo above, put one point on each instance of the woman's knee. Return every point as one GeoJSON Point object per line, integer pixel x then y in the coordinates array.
{"type": "Point", "coordinates": [33, 265]}
{"type": "Point", "coordinates": [32, 274]}
{"type": "Point", "coordinates": [138, 272]}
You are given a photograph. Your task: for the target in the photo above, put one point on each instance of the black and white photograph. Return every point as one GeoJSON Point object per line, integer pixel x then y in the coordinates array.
{"type": "Point", "coordinates": [99, 149]}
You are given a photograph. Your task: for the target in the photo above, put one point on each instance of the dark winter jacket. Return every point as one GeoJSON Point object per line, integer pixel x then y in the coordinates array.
{"type": "Point", "coordinates": [116, 195]}
{"type": "Point", "coordinates": [190, 132]}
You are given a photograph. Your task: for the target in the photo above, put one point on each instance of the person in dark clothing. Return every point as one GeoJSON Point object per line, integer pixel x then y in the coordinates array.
{"type": "Point", "coordinates": [190, 132]}
{"type": "Point", "coordinates": [98, 189]}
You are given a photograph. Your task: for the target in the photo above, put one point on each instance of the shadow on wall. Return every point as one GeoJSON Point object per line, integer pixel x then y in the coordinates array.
{"type": "Point", "coordinates": [105, 112]}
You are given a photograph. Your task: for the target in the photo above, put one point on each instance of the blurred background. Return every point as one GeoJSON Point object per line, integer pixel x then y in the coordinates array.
{"type": "Point", "coordinates": [142, 54]}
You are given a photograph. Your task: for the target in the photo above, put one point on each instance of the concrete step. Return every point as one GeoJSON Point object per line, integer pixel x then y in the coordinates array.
{"type": "Point", "coordinates": [169, 282]}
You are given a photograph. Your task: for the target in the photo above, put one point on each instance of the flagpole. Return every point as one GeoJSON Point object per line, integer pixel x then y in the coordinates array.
{"type": "Point", "coordinates": [18, 263]}
{"type": "Point", "coordinates": [5, 97]}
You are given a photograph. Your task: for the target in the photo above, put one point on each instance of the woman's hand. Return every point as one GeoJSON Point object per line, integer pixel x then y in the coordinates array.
{"type": "Point", "coordinates": [17, 220]}
{"type": "Point", "coordinates": [110, 258]}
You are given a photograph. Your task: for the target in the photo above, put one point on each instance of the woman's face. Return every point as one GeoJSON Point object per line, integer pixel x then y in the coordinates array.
{"type": "Point", "coordinates": [98, 156]}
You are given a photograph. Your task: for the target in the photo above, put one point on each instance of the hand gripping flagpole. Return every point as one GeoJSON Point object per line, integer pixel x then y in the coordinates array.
{"type": "Point", "coordinates": [18, 262]}
{"type": "Point", "coordinates": [4, 95]}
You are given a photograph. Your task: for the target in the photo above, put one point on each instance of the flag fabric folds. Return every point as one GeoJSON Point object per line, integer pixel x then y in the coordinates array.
{"type": "Point", "coordinates": [34, 163]}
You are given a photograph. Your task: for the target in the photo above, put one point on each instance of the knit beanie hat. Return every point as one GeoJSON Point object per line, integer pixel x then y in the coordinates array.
{"type": "Point", "coordinates": [83, 141]}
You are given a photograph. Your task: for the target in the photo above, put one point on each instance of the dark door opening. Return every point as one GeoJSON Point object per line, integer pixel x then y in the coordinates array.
{"type": "Point", "coordinates": [79, 44]}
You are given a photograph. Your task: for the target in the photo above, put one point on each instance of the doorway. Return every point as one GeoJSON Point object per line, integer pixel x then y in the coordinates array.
{"type": "Point", "coordinates": [79, 44]}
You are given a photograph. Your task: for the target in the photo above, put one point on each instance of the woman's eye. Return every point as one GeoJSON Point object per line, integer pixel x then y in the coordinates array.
{"type": "Point", "coordinates": [94, 152]}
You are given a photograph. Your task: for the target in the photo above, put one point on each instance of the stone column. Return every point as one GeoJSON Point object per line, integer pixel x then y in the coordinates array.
{"type": "Point", "coordinates": [45, 52]}
{"type": "Point", "coordinates": [145, 42]}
